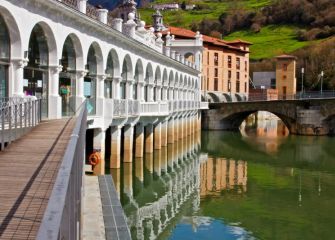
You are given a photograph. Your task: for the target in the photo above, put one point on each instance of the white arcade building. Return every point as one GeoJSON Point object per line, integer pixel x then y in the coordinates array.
{"type": "Point", "coordinates": [139, 89]}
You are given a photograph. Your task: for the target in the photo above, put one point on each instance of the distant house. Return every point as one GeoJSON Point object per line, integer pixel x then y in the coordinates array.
{"type": "Point", "coordinates": [283, 79]}
{"type": "Point", "coordinates": [189, 7]}
{"type": "Point", "coordinates": [264, 80]}
{"type": "Point", "coordinates": [166, 6]}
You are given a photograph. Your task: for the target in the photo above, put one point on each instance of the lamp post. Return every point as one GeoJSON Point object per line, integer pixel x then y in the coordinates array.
{"type": "Point", "coordinates": [302, 81]}
{"type": "Point", "coordinates": [321, 81]}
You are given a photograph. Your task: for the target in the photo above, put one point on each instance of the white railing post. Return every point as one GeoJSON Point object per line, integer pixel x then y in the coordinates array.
{"type": "Point", "coordinates": [82, 6]}
{"type": "Point", "coordinates": [117, 24]}
{"type": "Point", "coordinates": [103, 15]}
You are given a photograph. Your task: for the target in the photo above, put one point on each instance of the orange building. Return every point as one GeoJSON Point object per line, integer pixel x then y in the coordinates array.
{"type": "Point", "coordinates": [286, 82]}
{"type": "Point", "coordinates": [225, 64]}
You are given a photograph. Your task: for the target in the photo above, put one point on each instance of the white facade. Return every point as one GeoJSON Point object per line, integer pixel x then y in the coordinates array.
{"type": "Point", "coordinates": [132, 76]}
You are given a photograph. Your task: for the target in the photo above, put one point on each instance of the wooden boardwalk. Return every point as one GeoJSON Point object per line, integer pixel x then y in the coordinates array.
{"type": "Point", "coordinates": [28, 168]}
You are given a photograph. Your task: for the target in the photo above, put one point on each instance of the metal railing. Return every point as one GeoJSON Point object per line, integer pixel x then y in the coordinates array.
{"type": "Point", "coordinates": [264, 96]}
{"type": "Point", "coordinates": [62, 217]}
{"type": "Point", "coordinates": [17, 117]}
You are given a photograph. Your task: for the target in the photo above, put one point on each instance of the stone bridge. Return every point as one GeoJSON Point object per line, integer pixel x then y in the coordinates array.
{"type": "Point", "coordinates": [302, 117]}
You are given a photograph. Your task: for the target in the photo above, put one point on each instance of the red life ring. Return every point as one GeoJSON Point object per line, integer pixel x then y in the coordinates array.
{"type": "Point", "coordinates": [94, 158]}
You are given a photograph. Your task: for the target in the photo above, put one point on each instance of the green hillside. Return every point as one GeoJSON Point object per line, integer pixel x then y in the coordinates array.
{"type": "Point", "coordinates": [211, 9]}
{"type": "Point", "coordinates": [271, 40]}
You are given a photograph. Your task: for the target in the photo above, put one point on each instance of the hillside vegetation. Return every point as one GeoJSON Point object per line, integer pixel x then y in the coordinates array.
{"type": "Point", "coordinates": [274, 26]}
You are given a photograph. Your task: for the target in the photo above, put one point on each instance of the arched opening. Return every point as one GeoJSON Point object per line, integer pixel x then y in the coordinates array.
{"type": "Point", "coordinates": [67, 77]}
{"type": "Point", "coordinates": [138, 78]}
{"type": "Point", "coordinates": [158, 81]}
{"type": "Point", "coordinates": [36, 73]}
{"type": "Point", "coordinates": [112, 69]}
{"type": "Point", "coordinates": [4, 57]}
{"type": "Point", "coordinates": [148, 81]}
{"type": "Point", "coordinates": [265, 129]}
{"type": "Point", "coordinates": [164, 83]}
{"type": "Point", "coordinates": [170, 90]}
{"type": "Point", "coordinates": [126, 73]}
{"type": "Point", "coordinates": [190, 57]}
{"type": "Point", "coordinates": [175, 89]}
{"type": "Point", "coordinates": [90, 80]}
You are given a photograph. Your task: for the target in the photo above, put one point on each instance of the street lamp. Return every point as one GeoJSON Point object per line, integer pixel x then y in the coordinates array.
{"type": "Point", "coordinates": [321, 80]}
{"type": "Point", "coordinates": [302, 81]}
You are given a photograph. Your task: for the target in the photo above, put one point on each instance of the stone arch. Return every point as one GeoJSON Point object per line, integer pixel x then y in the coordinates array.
{"type": "Point", "coordinates": [149, 74]}
{"type": "Point", "coordinates": [171, 78]}
{"type": "Point", "coordinates": [176, 79]}
{"type": "Point", "coordinates": [165, 77]}
{"type": "Point", "coordinates": [228, 97]}
{"type": "Point", "coordinates": [51, 42]}
{"type": "Point", "coordinates": [214, 97]}
{"type": "Point", "coordinates": [71, 61]}
{"type": "Point", "coordinates": [158, 77]}
{"type": "Point", "coordinates": [78, 50]}
{"type": "Point", "coordinates": [138, 71]}
{"type": "Point", "coordinates": [113, 64]}
{"type": "Point", "coordinates": [158, 82]}
{"type": "Point", "coordinates": [235, 120]}
{"type": "Point", "coordinates": [127, 68]}
{"type": "Point", "coordinates": [14, 34]}
{"type": "Point", "coordinates": [96, 58]}
{"type": "Point", "coordinates": [238, 97]}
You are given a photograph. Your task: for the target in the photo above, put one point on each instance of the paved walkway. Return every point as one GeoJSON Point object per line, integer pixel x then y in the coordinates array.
{"type": "Point", "coordinates": [28, 168]}
{"type": "Point", "coordinates": [93, 221]}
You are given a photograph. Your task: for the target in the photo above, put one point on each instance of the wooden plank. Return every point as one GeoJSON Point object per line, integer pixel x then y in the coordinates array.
{"type": "Point", "coordinates": [28, 168]}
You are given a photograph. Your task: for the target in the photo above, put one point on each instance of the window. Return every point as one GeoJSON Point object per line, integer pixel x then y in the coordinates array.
{"type": "Point", "coordinates": [238, 76]}
{"type": "Point", "coordinates": [216, 72]}
{"type": "Point", "coordinates": [238, 63]}
{"type": "Point", "coordinates": [216, 83]}
{"type": "Point", "coordinates": [245, 87]}
{"type": "Point", "coordinates": [229, 74]}
{"type": "Point", "coordinates": [216, 59]}
{"type": "Point", "coordinates": [238, 86]}
{"type": "Point", "coordinates": [285, 67]}
{"type": "Point", "coordinates": [246, 66]}
{"type": "Point", "coordinates": [207, 58]}
{"type": "Point", "coordinates": [229, 85]}
{"type": "Point", "coordinates": [284, 77]}
{"type": "Point", "coordinates": [229, 61]}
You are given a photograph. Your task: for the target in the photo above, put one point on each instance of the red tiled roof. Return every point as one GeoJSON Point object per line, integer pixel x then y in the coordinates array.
{"type": "Point", "coordinates": [286, 56]}
{"type": "Point", "coordinates": [185, 33]}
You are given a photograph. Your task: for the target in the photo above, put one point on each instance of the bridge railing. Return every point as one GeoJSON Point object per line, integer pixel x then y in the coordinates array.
{"type": "Point", "coordinates": [17, 116]}
{"type": "Point", "coordinates": [298, 96]}
{"type": "Point", "coordinates": [62, 217]}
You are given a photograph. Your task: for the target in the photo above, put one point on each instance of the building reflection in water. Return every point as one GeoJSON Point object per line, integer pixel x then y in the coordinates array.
{"type": "Point", "coordinates": [265, 130]}
{"type": "Point", "coordinates": [153, 190]}
{"type": "Point", "coordinates": [220, 174]}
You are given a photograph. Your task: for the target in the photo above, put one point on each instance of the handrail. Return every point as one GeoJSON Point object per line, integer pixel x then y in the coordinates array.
{"type": "Point", "coordinates": [17, 116]}
{"type": "Point", "coordinates": [62, 216]}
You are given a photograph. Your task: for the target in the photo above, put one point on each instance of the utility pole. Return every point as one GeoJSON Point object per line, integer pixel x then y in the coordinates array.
{"type": "Point", "coordinates": [321, 81]}
{"type": "Point", "coordinates": [302, 81]}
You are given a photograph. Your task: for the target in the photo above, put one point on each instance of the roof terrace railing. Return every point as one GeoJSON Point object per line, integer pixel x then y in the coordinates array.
{"type": "Point", "coordinates": [62, 217]}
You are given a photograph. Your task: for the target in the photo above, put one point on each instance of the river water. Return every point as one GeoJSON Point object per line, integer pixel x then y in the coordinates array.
{"type": "Point", "coordinates": [260, 183]}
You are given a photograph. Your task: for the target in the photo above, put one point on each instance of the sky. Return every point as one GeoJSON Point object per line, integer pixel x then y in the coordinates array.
{"type": "Point", "coordinates": [108, 4]}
